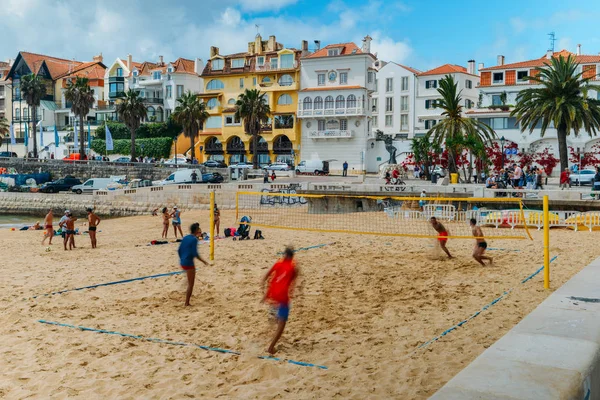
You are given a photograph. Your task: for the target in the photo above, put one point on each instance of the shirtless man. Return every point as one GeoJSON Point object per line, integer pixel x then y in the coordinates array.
{"type": "Point", "coordinates": [93, 221]}
{"type": "Point", "coordinates": [48, 227]}
{"type": "Point", "coordinates": [69, 223]}
{"type": "Point", "coordinates": [442, 234]}
{"type": "Point", "coordinates": [480, 244]}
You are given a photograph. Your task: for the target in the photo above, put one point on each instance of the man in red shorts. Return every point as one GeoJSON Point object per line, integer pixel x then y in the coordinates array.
{"type": "Point", "coordinates": [442, 234]}
{"type": "Point", "coordinates": [282, 276]}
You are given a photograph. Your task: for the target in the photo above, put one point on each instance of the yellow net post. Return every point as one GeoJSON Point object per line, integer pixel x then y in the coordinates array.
{"type": "Point", "coordinates": [212, 225]}
{"type": "Point", "coordinates": [546, 244]}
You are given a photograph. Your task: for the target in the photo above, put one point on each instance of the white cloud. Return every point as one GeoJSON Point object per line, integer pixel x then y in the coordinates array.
{"type": "Point", "coordinates": [518, 24]}
{"type": "Point", "coordinates": [265, 5]}
{"type": "Point", "coordinates": [390, 50]}
{"type": "Point", "coordinates": [231, 17]}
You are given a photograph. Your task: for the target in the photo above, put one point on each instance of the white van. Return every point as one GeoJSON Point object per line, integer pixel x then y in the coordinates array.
{"type": "Point", "coordinates": [180, 176]}
{"type": "Point", "coordinates": [92, 184]}
{"type": "Point", "coordinates": [317, 167]}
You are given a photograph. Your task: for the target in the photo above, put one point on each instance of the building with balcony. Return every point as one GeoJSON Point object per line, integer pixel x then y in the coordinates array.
{"type": "Point", "coordinates": [5, 91]}
{"type": "Point", "coordinates": [334, 104]}
{"type": "Point", "coordinates": [498, 90]}
{"type": "Point", "coordinates": [273, 69]}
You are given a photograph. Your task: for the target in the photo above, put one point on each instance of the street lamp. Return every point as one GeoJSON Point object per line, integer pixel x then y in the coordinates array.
{"type": "Point", "coordinates": [502, 144]}
{"type": "Point", "coordinates": [175, 141]}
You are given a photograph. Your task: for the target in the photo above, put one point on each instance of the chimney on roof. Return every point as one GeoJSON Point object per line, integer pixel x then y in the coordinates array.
{"type": "Point", "coordinates": [129, 62]}
{"type": "Point", "coordinates": [500, 60]}
{"type": "Point", "coordinates": [258, 48]}
{"type": "Point", "coordinates": [317, 45]}
{"type": "Point", "coordinates": [366, 47]}
{"type": "Point", "coordinates": [480, 67]}
{"type": "Point", "coordinates": [160, 60]}
{"type": "Point", "coordinates": [471, 67]}
{"type": "Point", "coordinates": [271, 43]}
{"type": "Point", "coordinates": [98, 58]}
{"type": "Point", "coordinates": [198, 66]}
{"type": "Point", "coordinates": [250, 47]}
{"type": "Point", "coordinates": [214, 51]}
{"type": "Point", "coordinates": [304, 47]}
{"type": "Point", "coordinates": [549, 54]}
{"type": "Point", "coordinates": [578, 49]}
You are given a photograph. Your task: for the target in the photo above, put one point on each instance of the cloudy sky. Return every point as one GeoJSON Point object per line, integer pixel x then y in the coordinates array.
{"type": "Point", "coordinates": [418, 33]}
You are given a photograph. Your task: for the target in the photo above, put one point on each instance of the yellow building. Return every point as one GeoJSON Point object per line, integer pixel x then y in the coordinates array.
{"type": "Point", "coordinates": [274, 70]}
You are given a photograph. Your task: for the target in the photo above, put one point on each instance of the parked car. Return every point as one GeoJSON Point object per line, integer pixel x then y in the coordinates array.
{"type": "Point", "coordinates": [177, 161]}
{"type": "Point", "coordinates": [122, 160]}
{"type": "Point", "coordinates": [439, 171]}
{"type": "Point", "coordinates": [215, 164]}
{"type": "Point", "coordinates": [213, 177]}
{"type": "Point", "coordinates": [59, 185]}
{"type": "Point", "coordinates": [8, 154]}
{"type": "Point", "coordinates": [279, 166]}
{"type": "Point", "coordinates": [318, 167]}
{"type": "Point", "coordinates": [74, 157]}
{"type": "Point", "coordinates": [92, 184]}
{"type": "Point", "coordinates": [183, 175]}
{"type": "Point", "coordinates": [241, 165]}
{"type": "Point", "coordinates": [583, 177]}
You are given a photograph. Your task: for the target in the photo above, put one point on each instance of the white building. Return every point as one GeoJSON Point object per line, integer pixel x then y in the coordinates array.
{"type": "Point", "coordinates": [160, 84]}
{"type": "Point", "coordinates": [5, 91]}
{"type": "Point", "coordinates": [334, 104]}
{"type": "Point", "coordinates": [498, 91]}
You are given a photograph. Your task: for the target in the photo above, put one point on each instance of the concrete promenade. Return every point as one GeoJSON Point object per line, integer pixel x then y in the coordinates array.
{"type": "Point", "coordinates": [553, 353]}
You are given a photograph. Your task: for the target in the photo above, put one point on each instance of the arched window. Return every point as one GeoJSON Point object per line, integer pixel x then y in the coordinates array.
{"type": "Point", "coordinates": [351, 101]}
{"type": "Point", "coordinates": [215, 84]}
{"type": "Point", "coordinates": [266, 79]}
{"type": "Point", "coordinates": [328, 102]}
{"type": "Point", "coordinates": [212, 103]}
{"type": "Point", "coordinates": [231, 102]}
{"type": "Point", "coordinates": [307, 103]}
{"type": "Point", "coordinates": [150, 112]}
{"type": "Point", "coordinates": [159, 114]}
{"type": "Point", "coordinates": [339, 102]}
{"type": "Point", "coordinates": [333, 124]}
{"type": "Point", "coordinates": [284, 100]}
{"type": "Point", "coordinates": [318, 103]}
{"type": "Point", "coordinates": [286, 80]}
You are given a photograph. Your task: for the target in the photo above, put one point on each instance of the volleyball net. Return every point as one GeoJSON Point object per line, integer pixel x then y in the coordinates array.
{"type": "Point", "coordinates": [500, 218]}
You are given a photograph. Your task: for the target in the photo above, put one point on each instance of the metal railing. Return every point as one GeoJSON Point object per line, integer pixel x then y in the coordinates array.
{"type": "Point", "coordinates": [269, 67]}
{"type": "Point", "coordinates": [331, 134]}
{"type": "Point", "coordinates": [331, 111]}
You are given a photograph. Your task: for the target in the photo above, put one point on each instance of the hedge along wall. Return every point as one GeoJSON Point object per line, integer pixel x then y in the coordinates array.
{"type": "Point", "coordinates": [155, 147]}
{"type": "Point", "coordinates": [119, 130]}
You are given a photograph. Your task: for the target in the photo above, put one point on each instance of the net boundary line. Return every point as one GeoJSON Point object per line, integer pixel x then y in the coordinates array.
{"type": "Point", "coordinates": [183, 344]}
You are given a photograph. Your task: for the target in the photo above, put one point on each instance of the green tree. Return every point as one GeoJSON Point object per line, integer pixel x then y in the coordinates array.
{"type": "Point", "coordinates": [454, 128]}
{"type": "Point", "coordinates": [81, 97]}
{"type": "Point", "coordinates": [423, 151]}
{"type": "Point", "coordinates": [131, 111]}
{"type": "Point", "coordinates": [191, 114]}
{"type": "Point", "coordinates": [252, 108]}
{"type": "Point", "coordinates": [562, 99]}
{"type": "Point", "coordinates": [33, 90]}
{"type": "Point", "coordinates": [4, 127]}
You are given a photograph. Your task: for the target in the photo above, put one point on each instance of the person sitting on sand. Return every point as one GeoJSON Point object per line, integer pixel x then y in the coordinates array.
{"type": "Point", "coordinates": [480, 243]}
{"type": "Point", "coordinates": [442, 234]}
{"type": "Point", "coordinates": [93, 221]}
{"type": "Point", "coordinates": [48, 226]}
{"type": "Point", "coordinates": [281, 284]}
{"type": "Point", "coordinates": [188, 252]}
{"type": "Point", "coordinates": [217, 219]}
{"type": "Point", "coordinates": [35, 227]}
{"type": "Point", "coordinates": [155, 212]}
{"type": "Point", "coordinates": [166, 216]}
{"type": "Point", "coordinates": [176, 215]}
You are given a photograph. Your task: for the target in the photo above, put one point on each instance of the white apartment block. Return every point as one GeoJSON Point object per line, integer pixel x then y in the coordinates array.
{"type": "Point", "coordinates": [5, 91]}
{"type": "Point", "coordinates": [334, 104]}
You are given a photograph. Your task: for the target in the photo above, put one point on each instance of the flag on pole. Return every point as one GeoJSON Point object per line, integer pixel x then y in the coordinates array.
{"type": "Point", "coordinates": [109, 140]}
{"type": "Point", "coordinates": [75, 138]}
{"type": "Point", "coordinates": [26, 137]}
{"type": "Point", "coordinates": [13, 141]}
{"type": "Point", "coordinates": [89, 137]}
{"type": "Point", "coordinates": [56, 138]}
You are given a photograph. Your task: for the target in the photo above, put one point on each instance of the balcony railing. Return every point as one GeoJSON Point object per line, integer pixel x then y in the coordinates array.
{"type": "Point", "coordinates": [268, 67]}
{"type": "Point", "coordinates": [274, 86]}
{"type": "Point", "coordinates": [330, 112]}
{"type": "Point", "coordinates": [330, 134]}
{"type": "Point", "coordinates": [115, 95]}
{"type": "Point", "coordinates": [153, 100]}
{"type": "Point", "coordinates": [116, 79]}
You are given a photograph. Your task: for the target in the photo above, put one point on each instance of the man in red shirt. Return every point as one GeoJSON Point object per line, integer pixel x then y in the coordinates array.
{"type": "Point", "coordinates": [282, 276]}
{"type": "Point", "coordinates": [564, 179]}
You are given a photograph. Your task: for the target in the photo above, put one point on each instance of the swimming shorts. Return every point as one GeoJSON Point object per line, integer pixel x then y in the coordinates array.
{"type": "Point", "coordinates": [443, 237]}
{"type": "Point", "coordinates": [70, 232]}
{"type": "Point", "coordinates": [92, 229]}
{"type": "Point", "coordinates": [176, 223]}
{"type": "Point", "coordinates": [48, 227]}
{"type": "Point", "coordinates": [483, 245]}
{"type": "Point", "coordinates": [188, 268]}
{"type": "Point", "coordinates": [283, 311]}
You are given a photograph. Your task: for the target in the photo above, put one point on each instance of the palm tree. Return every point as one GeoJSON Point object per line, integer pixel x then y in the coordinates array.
{"type": "Point", "coordinates": [563, 100]}
{"type": "Point", "coordinates": [454, 128]}
{"type": "Point", "coordinates": [252, 108]}
{"type": "Point", "coordinates": [131, 111]}
{"type": "Point", "coordinates": [191, 115]}
{"type": "Point", "coordinates": [33, 90]}
{"type": "Point", "coordinates": [4, 129]}
{"type": "Point", "coordinates": [81, 96]}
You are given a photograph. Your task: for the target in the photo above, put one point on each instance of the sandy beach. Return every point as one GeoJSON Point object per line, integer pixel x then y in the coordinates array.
{"type": "Point", "coordinates": [363, 306]}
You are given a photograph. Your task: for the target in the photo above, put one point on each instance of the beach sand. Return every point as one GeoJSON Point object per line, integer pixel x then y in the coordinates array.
{"type": "Point", "coordinates": [362, 307]}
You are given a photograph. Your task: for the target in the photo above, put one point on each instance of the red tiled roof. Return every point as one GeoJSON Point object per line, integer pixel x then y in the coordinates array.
{"type": "Point", "coordinates": [332, 88]}
{"type": "Point", "coordinates": [91, 70]}
{"type": "Point", "coordinates": [446, 69]}
{"type": "Point", "coordinates": [347, 49]}
{"type": "Point", "coordinates": [540, 62]}
{"type": "Point", "coordinates": [414, 71]}
{"type": "Point", "coordinates": [56, 66]}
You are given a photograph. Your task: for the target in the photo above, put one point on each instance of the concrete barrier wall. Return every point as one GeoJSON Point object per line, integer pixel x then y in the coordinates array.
{"type": "Point", "coordinates": [553, 353]}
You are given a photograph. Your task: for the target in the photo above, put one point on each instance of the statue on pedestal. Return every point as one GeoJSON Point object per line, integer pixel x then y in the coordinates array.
{"type": "Point", "coordinates": [388, 140]}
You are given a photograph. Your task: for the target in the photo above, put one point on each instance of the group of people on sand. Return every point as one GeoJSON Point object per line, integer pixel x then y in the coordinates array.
{"type": "Point", "coordinates": [175, 217]}
{"type": "Point", "coordinates": [480, 243]}
{"type": "Point", "coordinates": [67, 227]}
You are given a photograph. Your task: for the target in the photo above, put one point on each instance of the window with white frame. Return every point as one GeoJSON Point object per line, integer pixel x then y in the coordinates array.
{"type": "Point", "coordinates": [284, 100]}
{"type": "Point", "coordinates": [468, 104]}
{"type": "Point", "coordinates": [429, 123]}
{"type": "Point", "coordinates": [343, 124]}
{"type": "Point", "coordinates": [307, 103]}
{"type": "Point", "coordinates": [351, 101]}
{"type": "Point", "coordinates": [328, 102]}
{"type": "Point", "coordinates": [333, 124]}
{"type": "Point", "coordinates": [274, 62]}
{"type": "Point", "coordinates": [404, 103]}
{"type": "Point", "coordinates": [375, 103]}
{"type": "Point", "coordinates": [238, 63]}
{"type": "Point", "coordinates": [212, 103]}
{"type": "Point", "coordinates": [135, 73]}
{"type": "Point", "coordinates": [389, 120]}
{"type": "Point", "coordinates": [170, 70]}
{"type": "Point", "coordinates": [214, 122]}
{"type": "Point", "coordinates": [215, 84]}
{"type": "Point", "coordinates": [169, 93]}
{"type": "Point", "coordinates": [286, 80]}
{"type": "Point", "coordinates": [343, 78]}
{"type": "Point", "coordinates": [371, 77]}
{"type": "Point", "coordinates": [260, 61]}
{"type": "Point", "coordinates": [432, 84]}
{"type": "Point", "coordinates": [496, 100]}
{"type": "Point", "coordinates": [241, 83]}
{"type": "Point", "coordinates": [231, 102]}
{"type": "Point", "coordinates": [217, 64]}
{"type": "Point", "coordinates": [333, 52]}
{"type": "Point", "coordinates": [321, 79]}
{"type": "Point", "coordinates": [156, 75]}
{"type": "Point", "coordinates": [179, 91]}
{"type": "Point", "coordinates": [230, 119]}
{"type": "Point", "coordinates": [375, 121]}
{"type": "Point", "coordinates": [498, 77]}
{"type": "Point", "coordinates": [321, 125]}
{"type": "Point", "coordinates": [286, 61]}
{"type": "Point", "coordinates": [340, 102]}
{"type": "Point", "coordinates": [318, 103]}
{"type": "Point", "coordinates": [522, 76]}
{"type": "Point", "coordinates": [469, 84]}
{"type": "Point", "coordinates": [389, 104]}
{"type": "Point", "coordinates": [389, 84]}
{"type": "Point", "coordinates": [119, 71]}
{"type": "Point", "coordinates": [254, 81]}
{"type": "Point", "coordinates": [429, 104]}
{"type": "Point", "coordinates": [403, 122]}
{"type": "Point", "coordinates": [404, 83]}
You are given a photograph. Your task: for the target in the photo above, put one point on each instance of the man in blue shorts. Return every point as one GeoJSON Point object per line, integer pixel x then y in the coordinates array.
{"type": "Point", "coordinates": [188, 252]}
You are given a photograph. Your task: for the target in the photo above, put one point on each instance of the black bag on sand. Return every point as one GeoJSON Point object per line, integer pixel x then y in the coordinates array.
{"type": "Point", "coordinates": [258, 234]}
{"type": "Point", "coordinates": [227, 232]}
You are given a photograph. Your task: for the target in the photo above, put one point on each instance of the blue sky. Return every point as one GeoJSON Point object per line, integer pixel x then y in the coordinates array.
{"type": "Point", "coordinates": [422, 34]}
